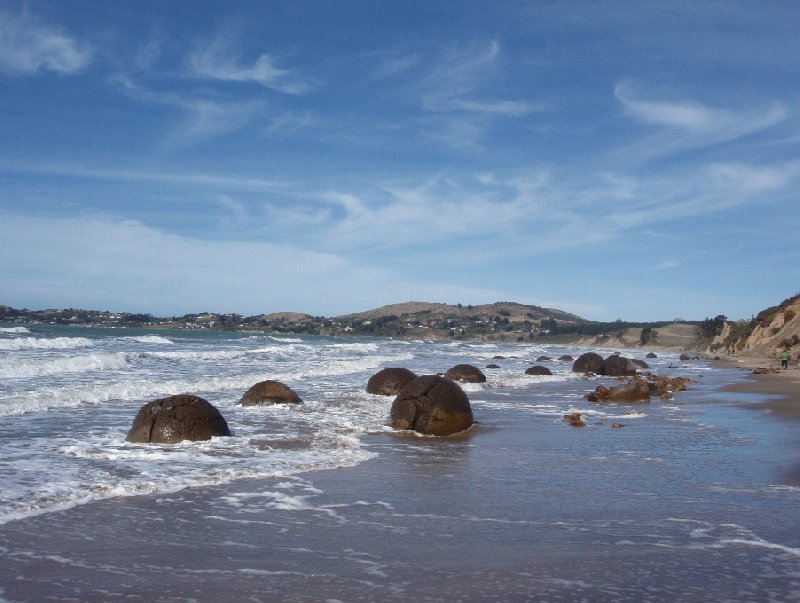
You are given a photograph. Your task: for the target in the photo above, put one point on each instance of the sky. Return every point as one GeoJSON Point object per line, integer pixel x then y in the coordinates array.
{"type": "Point", "coordinates": [634, 160]}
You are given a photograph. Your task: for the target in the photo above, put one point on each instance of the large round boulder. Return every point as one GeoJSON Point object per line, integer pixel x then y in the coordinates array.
{"type": "Point", "coordinates": [177, 418]}
{"type": "Point", "coordinates": [269, 392]}
{"type": "Point", "coordinates": [431, 405]}
{"type": "Point", "coordinates": [466, 373]}
{"type": "Point", "coordinates": [618, 366]}
{"type": "Point", "coordinates": [389, 381]}
{"type": "Point", "coordinates": [590, 362]}
{"type": "Point", "coordinates": [651, 355]}
{"type": "Point", "coordinates": [538, 370]}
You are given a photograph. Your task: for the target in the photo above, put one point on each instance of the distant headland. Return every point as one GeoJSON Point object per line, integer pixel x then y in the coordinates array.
{"type": "Point", "coordinates": [775, 328]}
{"type": "Point", "coordinates": [499, 321]}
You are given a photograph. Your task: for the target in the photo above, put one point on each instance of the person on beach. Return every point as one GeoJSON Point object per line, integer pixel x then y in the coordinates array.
{"type": "Point", "coordinates": [785, 359]}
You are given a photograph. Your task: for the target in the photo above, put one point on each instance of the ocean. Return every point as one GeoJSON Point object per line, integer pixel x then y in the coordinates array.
{"type": "Point", "coordinates": [692, 499]}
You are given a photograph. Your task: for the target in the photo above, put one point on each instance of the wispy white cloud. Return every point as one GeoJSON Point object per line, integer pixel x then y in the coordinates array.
{"type": "Point", "coordinates": [205, 118]}
{"type": "Point", "coordinates": [219, 61]}
{"type": "Point", "coordinates": [28, 45]}
{"type": "Point", "coordinates": [688, 124]}
{"type": "Point", "coordinates": [456, 95]}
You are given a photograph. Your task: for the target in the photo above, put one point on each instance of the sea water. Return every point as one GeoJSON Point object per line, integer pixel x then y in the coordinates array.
{"type": "Point", "coordinates": [695, 493]}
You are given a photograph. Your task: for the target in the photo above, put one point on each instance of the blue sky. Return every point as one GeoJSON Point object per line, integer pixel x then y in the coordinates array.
{"type": "Point", "coordinates": [635, 160]}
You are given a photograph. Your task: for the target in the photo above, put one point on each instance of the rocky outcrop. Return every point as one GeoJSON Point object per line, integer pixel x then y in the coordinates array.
{"type": "Point", "coordinates": [466, 373]}
{"type": "Point", "coordinates": [538, 370]}
{"type": "Point", "coordinates": [389, 381]}
{"type": "Point", "coordinates": [431, 405]}
{"type": "Point", "coordinates": [177, 418]}
{"type": "Point", "coordinates": [269, 392]}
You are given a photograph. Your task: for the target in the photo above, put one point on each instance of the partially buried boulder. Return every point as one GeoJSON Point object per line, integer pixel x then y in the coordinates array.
{"type": "Point", "coordinates": [538, 370]}
{"type": "Point", "coordinates": [177, 418]}
{"type": "Point", "coordinates": [566, 358]}
{"type": "Point", "coordinates": [633, 391]}
{"type": "Point", "coordinates": [431, 405]}
{"type": "Point", "coordinates": [269, 392]}
{"type": "Point", "coordinates": [590, 362]}
{"type": "Point", "coordinates": [389, 381]}
{"type": "Point", "coordinates": [466, 373]}
{"type": "Point", "coordinates": [651, 355]}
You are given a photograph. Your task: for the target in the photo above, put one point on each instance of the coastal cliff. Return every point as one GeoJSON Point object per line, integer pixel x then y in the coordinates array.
{"type": "Point", "coordinates": [769, 333]}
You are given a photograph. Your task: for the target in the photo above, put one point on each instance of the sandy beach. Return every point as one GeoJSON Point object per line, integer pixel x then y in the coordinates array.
{"type": "Point", "coordinates": [782, 385]}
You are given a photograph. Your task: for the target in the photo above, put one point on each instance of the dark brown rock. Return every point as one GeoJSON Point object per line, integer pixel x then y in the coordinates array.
{"type": "Point", "coordinates": [641, 364]}
{"type": "Point", "coordinates": [651, 355]}
{"type": "Point", "coordinates": [492, 366]}
{"type": "Point", "coordinates": [538, 370]}
{"type": "Point", "coordinates": [177, 418]}
{"type": "Point", "coordinates": [566, 358]}
{"type": "Point", "coordinates": [590, 362]}
{"type": "Point", "coordinates": [543, 359]}
{"type": "Point", "coordinates": [269, 392]}
{"type": "Point", "coordinates": [431, 405]}
{"type": "Point", "coordinates": [466, 373]}
{"type": "Point", "coordinates": [618, 366]}
{"type": "Point", "coordinates": [389, 381]}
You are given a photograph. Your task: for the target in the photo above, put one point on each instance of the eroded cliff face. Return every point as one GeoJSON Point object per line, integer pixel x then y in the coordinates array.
{"type": "Point", "coordinates": [768, 334]}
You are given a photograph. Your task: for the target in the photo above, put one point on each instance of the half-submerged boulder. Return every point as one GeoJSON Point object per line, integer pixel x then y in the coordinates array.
{"type": "Point", "coordinates": [634, 390]}
{"type": "Point", "coordinates": [538, 370]}
{"type": "Point", "coordinates": [651, 355]}
{"type": "Point", "coordinates": [269, 392]}
{"type": "Point", "coordinates": [566, 358]}
{"type": "Point", "coordinates": [466, 373]}
{"type": "Point", "coordinates": [590, 362]}
{"type": "Point", "coordinates": [431, 405]}
{"type": "Point", "coordinates": [177, 418]}
{"type": "Point", "coordinates": [389, 381]}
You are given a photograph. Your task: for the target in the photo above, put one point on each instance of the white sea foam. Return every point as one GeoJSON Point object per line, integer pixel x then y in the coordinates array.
{"type": "Point", "coordinates": [157, 339]}
{"type": "Point", "coordinates": [45, 343]}
{"type": "Point", "coordinates": [11, 330]}
{"type": "Point", "coordinates": [14, 367]}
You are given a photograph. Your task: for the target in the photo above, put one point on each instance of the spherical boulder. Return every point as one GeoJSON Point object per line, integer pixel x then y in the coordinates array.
{"type": "Point", "coordinates": [566, 358]}
{"type": "Point", "coordinates": [431, 405]}
{"type": "Point", "coordinates": [538, 370]}
{"type": "Point", "coordinates": [651, 355]}
{"type": "Point", "coordinates": [543, 359]}
{"type": "Point", "coordinates": [269, 392]}
{"type": "Point", "coordinates": [590, 362]}
{"type": "Point", "coordinates": [618, 366]}
{"type": "Point", "coordinates": [492, 366]}
{"type": "Point", "coordinates": [177, 418]}
{"type": "Point", "coordinates": [466, 373]}
{"type": "Point", "coordinates": [389, 381]}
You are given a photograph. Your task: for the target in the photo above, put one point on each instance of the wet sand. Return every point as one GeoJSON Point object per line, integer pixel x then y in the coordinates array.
{"type": "Point", "coordinates": [783, 386]}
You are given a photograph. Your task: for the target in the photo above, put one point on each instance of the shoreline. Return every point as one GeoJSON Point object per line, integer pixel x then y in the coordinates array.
{"type": "Point", "coordinates": [783, 386]}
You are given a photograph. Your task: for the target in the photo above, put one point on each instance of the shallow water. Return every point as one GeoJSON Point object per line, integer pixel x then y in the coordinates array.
{"type": "Point", "coordinates": [691, 500]}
